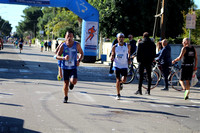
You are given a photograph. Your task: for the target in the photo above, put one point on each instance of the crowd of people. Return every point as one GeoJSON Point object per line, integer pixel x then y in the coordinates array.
{"type": "Point", "coordinates": [121, 53]}
{"type": "Point", "coordinates": [121, 56]}
{"type": "Point", "coordinates": [146, 53]}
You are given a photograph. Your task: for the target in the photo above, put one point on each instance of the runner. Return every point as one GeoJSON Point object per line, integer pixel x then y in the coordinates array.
{"type": "Point", "coordinates": [69, 62]}
{"type": "Point", "coordinates": [30, 42]}
{"type": "Point", "coordinates": [42, 45]}
{"type": "Point", "coordinates": [21, 41]}
{"type": "Point", "coordinates": [120, 55]}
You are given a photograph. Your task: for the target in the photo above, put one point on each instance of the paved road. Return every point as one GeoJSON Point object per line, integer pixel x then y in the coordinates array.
{"type": "Point", "coordinates": [31, 100]}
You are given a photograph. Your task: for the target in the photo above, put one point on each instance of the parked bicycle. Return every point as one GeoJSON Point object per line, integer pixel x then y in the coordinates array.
{"type": "Point", "coordinates": [173, 78]}
{"type": "Point", "coordinates": [156, 75]}
{"type": "Point", "coordinates": [133, 73]}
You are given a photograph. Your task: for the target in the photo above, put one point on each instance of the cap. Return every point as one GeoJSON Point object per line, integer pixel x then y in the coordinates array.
{"type": "Point", "coordinates": [120, 34]}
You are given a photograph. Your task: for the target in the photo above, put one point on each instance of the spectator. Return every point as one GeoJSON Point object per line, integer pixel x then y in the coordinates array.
{"type": "Point", "coordinates": [145, 55]}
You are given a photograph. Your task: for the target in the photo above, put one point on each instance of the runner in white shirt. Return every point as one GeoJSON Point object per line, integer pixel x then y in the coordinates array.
{"type": "Point", "coordinates": [121, 57]}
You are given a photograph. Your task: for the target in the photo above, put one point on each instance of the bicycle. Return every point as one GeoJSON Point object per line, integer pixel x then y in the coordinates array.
{"type": "Point", "coordinates": [133, 72]}
{"type": "Point", "coordinates": [173, 78]}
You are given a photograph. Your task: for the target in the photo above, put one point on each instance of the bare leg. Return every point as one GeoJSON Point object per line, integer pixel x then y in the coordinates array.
{"type": "Point", "coordinates": [65, 87]}
{"type": "Point", "coordinates": [73, 81]}
{"type": "Point", "coordinates": [187, 87]}
{"type": "Point", "coordinates": [123, 79]}
{"type": "Point", "coordinates": [182, 84]}
{"type": "Point", "coordinates": [118, 85]}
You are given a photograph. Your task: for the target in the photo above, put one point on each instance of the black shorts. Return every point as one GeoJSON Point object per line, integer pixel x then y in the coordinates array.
{"type": "Point", "coordinates": [120, 71]}
{"type": "Point", "coordinates": [20, 45]}
{"type": "Point", "coordinates": [186, 72]}
{"type": "Point", "coordinates": [69, 73]}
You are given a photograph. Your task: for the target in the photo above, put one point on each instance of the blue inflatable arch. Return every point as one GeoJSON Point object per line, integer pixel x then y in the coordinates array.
{"type": "Point", "coordinates": [90, 25]}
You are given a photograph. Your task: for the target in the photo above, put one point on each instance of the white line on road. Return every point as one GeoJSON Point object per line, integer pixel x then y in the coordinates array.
{"type": "Point", "coordinates": [83, 97]}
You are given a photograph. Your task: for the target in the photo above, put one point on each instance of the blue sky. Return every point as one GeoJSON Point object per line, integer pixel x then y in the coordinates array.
{"type": "Point", "coordinates": [13, 13]}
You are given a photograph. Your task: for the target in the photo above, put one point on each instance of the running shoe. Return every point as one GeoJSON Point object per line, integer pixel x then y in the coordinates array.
{"type": "Point", "coordinates": [118, 97]}
{"type": "Point", "coordinates": [65, 99]}
{"type": "Point", "coordinates": [186, 94]}
{"type": "Point", "coordinates": [71, 86]}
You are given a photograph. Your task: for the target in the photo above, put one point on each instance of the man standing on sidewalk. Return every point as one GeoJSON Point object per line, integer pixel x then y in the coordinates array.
{"type": "Point", "coordinates": [145, 55]}
{"type": "Point", "coordinates": [120, 55]}
{"type": "Point", "coordinates": [69, 64]}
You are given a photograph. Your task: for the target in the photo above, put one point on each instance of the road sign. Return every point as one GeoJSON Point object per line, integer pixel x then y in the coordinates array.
{"type": "Point", "coordinates": [191, 21]}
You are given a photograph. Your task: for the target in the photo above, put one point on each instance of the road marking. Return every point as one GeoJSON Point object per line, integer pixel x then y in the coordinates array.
{"type": "Point", "coordinates": [154, 105]}
{"type": "Point", "coordinates": [24, 71]}
{"type": "Point", "coordinates": [47, 98]}
{"type": "Point", "coordinates": [3, 70]}
{"type": "Point", "coordinates": [83, 97]}
{"type": "Point", "coordinates": [42, 92]}
{"type": "Point", "coordinates": [195, 101]}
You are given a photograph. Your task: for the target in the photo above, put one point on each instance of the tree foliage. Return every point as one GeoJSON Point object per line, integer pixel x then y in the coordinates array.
{"type": "Point", "coordinates": [127, 16]}
{"type": "Point", "coordinates": [31, 15]}
{"type": "Point", "coordinates": [5, 27]}
{"type": "Point", "coordinates": [137, 16]}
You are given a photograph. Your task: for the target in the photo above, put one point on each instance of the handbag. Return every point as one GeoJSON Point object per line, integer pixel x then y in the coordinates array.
{"type": "Point", "coordinates": [194, 80]}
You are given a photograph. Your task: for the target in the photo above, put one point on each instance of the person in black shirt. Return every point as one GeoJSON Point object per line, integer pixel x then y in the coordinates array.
{"type": "Point", "coordinates": [132, 43]}
{"type": "Point", "coordinates": [46, 45]}
{"type": "Point", "coordinates": [189, 64]}
{"type": "Point", "coordinates": [146, 52]}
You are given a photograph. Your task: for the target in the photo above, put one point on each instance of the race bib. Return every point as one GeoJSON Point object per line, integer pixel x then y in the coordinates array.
{"type": "Point", "coordinates": [69, 63]}
{"type": "Point", "coordinates": [119, 56]}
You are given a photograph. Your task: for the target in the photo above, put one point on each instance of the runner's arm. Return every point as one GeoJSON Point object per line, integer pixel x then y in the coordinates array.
{"type": "Point", "coordinates": [79, 49]}
{"type": "Point", "coordinates": [113, 53]}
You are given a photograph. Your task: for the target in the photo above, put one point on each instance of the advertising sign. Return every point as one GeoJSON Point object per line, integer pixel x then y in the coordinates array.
{"type": "Point", "coordinates": [191, 21]}
{"type": "Point", "coordinates": [91, 35]}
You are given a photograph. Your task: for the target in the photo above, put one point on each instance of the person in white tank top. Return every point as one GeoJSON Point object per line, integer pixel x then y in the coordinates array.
{"type": "Point", "coordinates": [121, 57]}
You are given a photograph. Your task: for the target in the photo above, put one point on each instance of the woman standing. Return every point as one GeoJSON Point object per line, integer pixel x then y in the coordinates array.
{"type": "Point", "coordinates": [189, 64]}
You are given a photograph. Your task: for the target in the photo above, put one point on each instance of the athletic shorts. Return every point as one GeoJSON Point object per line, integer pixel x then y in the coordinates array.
{"type": "Point", "coordinates": [20, 45]}
{"type": "Point", "coordinates": [69, 73]}
{"type": "Point", "coordinates": [120, 71]}
{"type": "Point", "coordinates": [186, 72]}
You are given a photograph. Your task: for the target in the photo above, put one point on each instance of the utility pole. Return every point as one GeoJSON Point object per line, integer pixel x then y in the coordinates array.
{"type": "Point", "coordinates": [163, 18]}
{"type": "Point", "coordinates": [156, 19]}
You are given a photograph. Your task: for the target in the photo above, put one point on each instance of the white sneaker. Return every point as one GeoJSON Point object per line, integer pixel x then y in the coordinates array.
{"type": "Point", "coordinates": [118, 97]}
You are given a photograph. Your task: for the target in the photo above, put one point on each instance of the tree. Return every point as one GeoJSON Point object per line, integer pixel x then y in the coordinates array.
{"type": "Point", "coordinates": [63, 21]}
{"type": "Point", "coordinates": [48, 14]}
{"type": "Point", "coordinates": [5, 27]}
{"type": "Point", "coordinates": [31, 15]}
{"type": "Point", "coordinates": [137, 16]}
{"type": "Point", "coordinates": [175, 20]}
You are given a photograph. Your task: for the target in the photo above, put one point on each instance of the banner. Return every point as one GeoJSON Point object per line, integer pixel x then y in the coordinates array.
{"type": "Point", "coordinates": [42, 2]}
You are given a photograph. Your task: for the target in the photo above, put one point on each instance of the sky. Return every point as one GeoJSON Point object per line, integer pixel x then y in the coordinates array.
{"type": "Point", "coordinates": [13, 13]}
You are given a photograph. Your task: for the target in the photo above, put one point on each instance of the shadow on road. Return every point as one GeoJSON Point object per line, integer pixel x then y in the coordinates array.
{"type": "Point", "coordinates": [128, 109]}
{"type": "Point", "coordinates": [13, 125]}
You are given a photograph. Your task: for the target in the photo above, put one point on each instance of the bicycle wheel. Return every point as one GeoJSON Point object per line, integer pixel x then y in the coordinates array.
{"type": "Point", "coordinates": [131, 74]}
{"type": "Point", "coordinates": [154, 82]}
{"type": "Point", "coordinates": [174, 81]}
